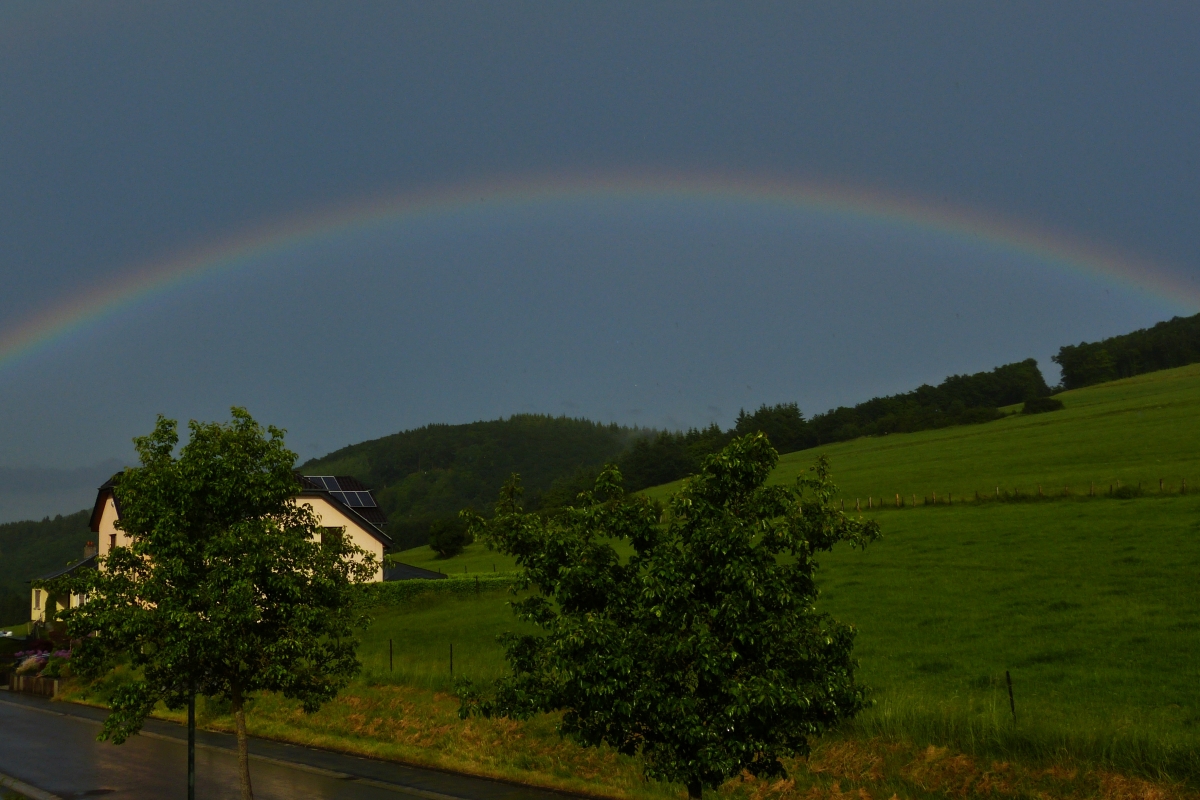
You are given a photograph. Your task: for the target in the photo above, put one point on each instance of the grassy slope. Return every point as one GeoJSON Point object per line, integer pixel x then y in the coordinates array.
{"type": "Point", "coordinates": [1138, 429]}
{"type": "Point", "coordinates": [1089, 603]}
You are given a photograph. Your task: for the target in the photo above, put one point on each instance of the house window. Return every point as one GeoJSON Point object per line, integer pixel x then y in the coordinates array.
{"type": "Point", "coordinates": [331, 536]}
{"type": "Point", "coordinates": [37, 599]}
{"type": "Point", "coordinates": [112, 541]}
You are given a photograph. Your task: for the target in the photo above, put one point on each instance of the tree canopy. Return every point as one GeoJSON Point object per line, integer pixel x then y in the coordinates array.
{"type": "Point", "coordinates": [1173, 343]}
{"type": "Point", "coordinates": [703, 651]}
{"type": "Point", "coordinates": [226, 587]}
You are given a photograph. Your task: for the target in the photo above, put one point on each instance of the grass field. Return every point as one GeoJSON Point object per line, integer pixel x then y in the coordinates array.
{"type": "Point", "coordinates": [1091, 604]}
{"type": "Point", "coordinates": [1135, 431]}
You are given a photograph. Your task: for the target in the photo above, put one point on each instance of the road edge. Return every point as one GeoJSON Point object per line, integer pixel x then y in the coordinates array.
{"type": "Point", "coordinates": [20, 787]}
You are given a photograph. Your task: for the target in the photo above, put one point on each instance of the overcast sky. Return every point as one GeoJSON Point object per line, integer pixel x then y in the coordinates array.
{"type": "Point", "coordinates": [133, 132]}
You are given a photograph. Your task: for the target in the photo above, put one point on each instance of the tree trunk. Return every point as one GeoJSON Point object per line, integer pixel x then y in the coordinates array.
{"type": "Point", "coordinates": [239, 717]}
{"type": "Point", "coordinates": [695, 788]}
{"type": "Point", "coordinates": [192, 742]}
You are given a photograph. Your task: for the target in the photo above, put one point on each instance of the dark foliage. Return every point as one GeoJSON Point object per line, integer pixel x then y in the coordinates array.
{"type": "Point", "coordinates": [958, 400]}
{"type": "Point", "coordinates": [702, 651]}
{"type": "Point", "coordinates": [1040, 405]}
{"type": "Point", "coordinates": [422, 477]}
{"type": "Point", "coordinates": [448, 537]}
{"type": "Point", "coordinates": [669, 456]}
{"type": "Point", "coordinates": [430, 473]}
{"type": "Point", "coordinates": [1174, 343]}
{"type": "Point", "coordinates": [29, 549]}
{"type": "Point", "coordinates": [783, 424]}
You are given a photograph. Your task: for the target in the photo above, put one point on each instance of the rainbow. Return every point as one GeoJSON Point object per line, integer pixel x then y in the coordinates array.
{"type": "Point", "coordinates": [89, 307]}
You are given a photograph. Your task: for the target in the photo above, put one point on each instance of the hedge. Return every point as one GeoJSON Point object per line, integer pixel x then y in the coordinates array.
{"type": "Point", "coordinates": [392, 592]}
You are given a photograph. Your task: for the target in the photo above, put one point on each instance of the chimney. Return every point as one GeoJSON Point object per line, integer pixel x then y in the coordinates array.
{"type": "Point", "coordinates": [89, 550]}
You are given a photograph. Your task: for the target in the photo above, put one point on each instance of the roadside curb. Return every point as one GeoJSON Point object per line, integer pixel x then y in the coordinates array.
{"type": "Point", "coordinates": [22, 788]}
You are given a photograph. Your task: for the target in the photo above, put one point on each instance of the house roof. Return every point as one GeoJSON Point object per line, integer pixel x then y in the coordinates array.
{"type": "Point", "coordinates": [83, 563]}
{"type": "Point", "coordinates": [102, 494]}
{"type": "Point", "coordinates": [344, 492]}
{"type": "Point", "coordinates": [349, 496]}
{"type": "Point", "coordinates": [406, 572]}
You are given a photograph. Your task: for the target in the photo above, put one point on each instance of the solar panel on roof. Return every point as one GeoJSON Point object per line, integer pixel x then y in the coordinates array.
{"type": "Point", "coordinates": [341, 496]}
{"type": "Point", "coordinates": [365, 500]}
{"type": "Point", "coordinates": [326, 482]}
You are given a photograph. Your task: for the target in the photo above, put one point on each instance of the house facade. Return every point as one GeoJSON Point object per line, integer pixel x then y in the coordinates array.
{"type": "Point", "coordinates": [338, 502]}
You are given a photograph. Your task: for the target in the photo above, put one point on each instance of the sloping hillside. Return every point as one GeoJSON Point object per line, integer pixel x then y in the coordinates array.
{"type": "Point", "coordinates": [1135, 431]}
{"type": "Point", "coordinates": [1086, 602]}
{"type": "Point", "coordinates": [435, 471]}
{"type": "Point", "coordinates": [28, 549]}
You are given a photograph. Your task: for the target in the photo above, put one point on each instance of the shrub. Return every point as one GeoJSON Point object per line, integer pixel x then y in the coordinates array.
{"type": "Point", "coordinates": [1040, 405]}
{"type": "Point", "coordinates": [448, 537]}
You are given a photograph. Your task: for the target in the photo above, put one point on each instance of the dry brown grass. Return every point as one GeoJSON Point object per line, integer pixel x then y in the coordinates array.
{"type": "Point", "coordinates": [848, 769]}
{"type": "Point", "coordinates": [421, 727]}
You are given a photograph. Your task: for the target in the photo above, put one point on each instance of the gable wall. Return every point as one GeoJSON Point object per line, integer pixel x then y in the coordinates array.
{"type": "Point", "coordinates": [106, 528]}
{"type": "Point", "coordinates": [330, 516]}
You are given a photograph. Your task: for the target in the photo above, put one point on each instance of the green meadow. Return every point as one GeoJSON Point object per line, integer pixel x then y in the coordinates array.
{"type": "Point", "coordinates": [1135, 431]}
{"type": "Point", "coordinates": [1089, 603]}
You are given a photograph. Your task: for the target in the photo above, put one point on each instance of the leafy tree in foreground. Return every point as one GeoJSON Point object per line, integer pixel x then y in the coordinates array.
{"type": "Point", "coordinates": [226, 588]}
{"type": "Point", "coordinates": [703, 651]}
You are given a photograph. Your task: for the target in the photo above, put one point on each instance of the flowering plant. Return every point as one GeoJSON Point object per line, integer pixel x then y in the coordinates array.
{"type": "Point", "coordinates": [31, 662]}
{"type": "Point", "coordinates": [49, 664]}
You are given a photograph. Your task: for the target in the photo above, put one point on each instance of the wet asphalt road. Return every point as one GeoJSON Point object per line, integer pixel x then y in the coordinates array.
{"type": "Point", "coordinates": [53, 747]}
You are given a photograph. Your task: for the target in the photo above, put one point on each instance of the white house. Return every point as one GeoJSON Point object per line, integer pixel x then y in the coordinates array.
{"type": "Point", "coordinates": [337, 502]}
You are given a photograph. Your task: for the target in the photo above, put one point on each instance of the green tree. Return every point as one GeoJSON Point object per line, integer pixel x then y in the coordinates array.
{"type": "Point", "coordinates": [703, 651]}
{"type": "Point", "coordinates": [448, 537]}
{"type": "Point", "coordinates": [226, 588]}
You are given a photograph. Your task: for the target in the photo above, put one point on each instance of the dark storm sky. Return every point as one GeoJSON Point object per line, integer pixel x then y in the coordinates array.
{"type": "Point", "coordinates": [131, 132]}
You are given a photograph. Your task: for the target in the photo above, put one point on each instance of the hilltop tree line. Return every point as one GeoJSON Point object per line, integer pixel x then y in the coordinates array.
{"type": "Point", "coordinates": [1174, 343]}
{"type": "Point", "coordinates": [423, 477]}
{"type": "Point", "coordinates": [958, 400]}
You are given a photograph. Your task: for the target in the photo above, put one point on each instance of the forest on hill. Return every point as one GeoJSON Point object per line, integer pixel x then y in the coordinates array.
{"type": "Point", "coordinates": [32, 548]}
{"type": "Point", "coordinates": [431, 473]}
{"type": "Point", "coordinates": [1173, 343]}
{"type": "Point", "coordinates": [426, 476]}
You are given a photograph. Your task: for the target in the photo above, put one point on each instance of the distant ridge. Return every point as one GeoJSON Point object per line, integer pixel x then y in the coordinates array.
{"type": "Point", "coordinates": [36, 492]}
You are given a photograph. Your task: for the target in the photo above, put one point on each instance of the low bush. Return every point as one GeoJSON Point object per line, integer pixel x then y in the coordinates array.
{"type": "Point", "coordinates": [1040, 405]}
{"type": "Point", "coordinates": [448, 537]}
